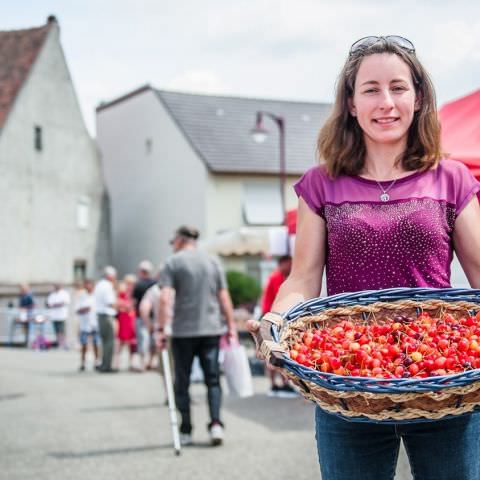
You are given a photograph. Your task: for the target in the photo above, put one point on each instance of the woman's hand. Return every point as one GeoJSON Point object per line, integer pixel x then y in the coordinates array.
{"type": "Point", "coordinates": [253, 326]}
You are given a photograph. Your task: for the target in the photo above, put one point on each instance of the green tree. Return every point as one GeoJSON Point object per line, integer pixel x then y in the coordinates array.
{"type": "Point", "coordinates": [244, 289]}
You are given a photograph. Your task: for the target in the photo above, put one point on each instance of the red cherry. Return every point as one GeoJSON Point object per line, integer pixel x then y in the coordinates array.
{"type": "Point", "coordinates": [354, 347]}
{"type": "Point", "coordinates": [463, 345]}
{"type": "Point", "coordinates": [301, 358]}
{"type": "Point", "coordinates": [443, 344]}
{"type": "Point", "coordinates": [413, 369]}
{"type": "Point", "coordinates": [335, 363]}
{"type": "Point", "coordinates": [429, 365]}
{"type": "Point", "coordinates": [440, 362]}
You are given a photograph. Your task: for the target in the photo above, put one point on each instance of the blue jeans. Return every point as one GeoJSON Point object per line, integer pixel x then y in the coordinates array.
{"type": "Point", "coordinates": [93, 334]}
{"type": "Point", "coordinates": [440, 450]}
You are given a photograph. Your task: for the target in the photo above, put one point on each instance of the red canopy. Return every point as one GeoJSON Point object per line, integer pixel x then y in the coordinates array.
{"type": "Point", "coordinates": [460, 121]}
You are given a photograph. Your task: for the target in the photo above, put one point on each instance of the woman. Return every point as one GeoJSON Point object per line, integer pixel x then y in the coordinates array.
{"type": "Point", "coordinates": [385, 210]}
{"type": "Point", "coordinates": [126, 322]}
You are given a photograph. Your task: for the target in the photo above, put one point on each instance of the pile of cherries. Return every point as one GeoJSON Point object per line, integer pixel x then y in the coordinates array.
{"type": "Point", "coordinates": [398, 347]}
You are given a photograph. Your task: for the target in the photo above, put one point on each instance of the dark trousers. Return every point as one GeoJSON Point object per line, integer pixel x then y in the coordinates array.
{"type": "Point", "coordinates": [184, 350]}
{"type": "Point", "coordinates": [105, 323]}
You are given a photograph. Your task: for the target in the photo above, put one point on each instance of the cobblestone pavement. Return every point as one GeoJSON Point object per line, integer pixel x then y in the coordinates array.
{"type": "Point", "coordinates": [58, 423]}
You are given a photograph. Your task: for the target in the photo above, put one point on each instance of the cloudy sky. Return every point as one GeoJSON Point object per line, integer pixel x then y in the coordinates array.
{"type": "Point", "coordinates": [286, 49]}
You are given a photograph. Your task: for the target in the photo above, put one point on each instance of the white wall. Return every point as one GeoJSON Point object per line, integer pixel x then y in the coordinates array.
{"type": "Point", "coordinates": [225, 196]}
{"type": "Point", "coordinates": [151, 193]}
{"type": "Point", "coordinates": [39, 190]}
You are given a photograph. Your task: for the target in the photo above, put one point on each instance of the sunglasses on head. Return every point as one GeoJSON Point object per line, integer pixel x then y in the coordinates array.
{"type": "Point", "coordinates": [367, 42]}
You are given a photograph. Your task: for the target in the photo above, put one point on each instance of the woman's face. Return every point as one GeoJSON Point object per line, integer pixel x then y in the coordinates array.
{"type": "Point", "coordinates": [384, 100]}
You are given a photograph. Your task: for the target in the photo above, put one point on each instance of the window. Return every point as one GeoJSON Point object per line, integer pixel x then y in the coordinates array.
{"type": "Point", "coordinates": [79, 271]}
{"type": "Point", "coordinates": [38, 142]}
{"type": "Point", "coordinates": [83, 213]}
{"type": "Point", "coordinates": [262, 203]}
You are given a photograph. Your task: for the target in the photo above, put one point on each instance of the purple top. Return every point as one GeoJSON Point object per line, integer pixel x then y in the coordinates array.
{"type": "Point", "coordinates": [404, 242]}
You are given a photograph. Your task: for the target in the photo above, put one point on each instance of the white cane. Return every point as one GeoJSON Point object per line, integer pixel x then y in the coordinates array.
{"type": "Point", "coordinates": [167, 371]}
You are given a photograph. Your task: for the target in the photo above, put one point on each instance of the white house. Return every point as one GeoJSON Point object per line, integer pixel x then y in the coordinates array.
{"type": "Point", "coordinates": [53, 203]}
{"type": "Point", "coordinates": [172, 158]}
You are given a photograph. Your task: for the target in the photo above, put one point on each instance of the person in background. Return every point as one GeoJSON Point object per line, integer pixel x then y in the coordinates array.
{"type": "Point", "coordinates": [26, 305]}
{"type": "Point", "coordinates": [87, 317]}
{"type": "Point", "coordinates": [274, 281]}
{"type": "Point", "coordinates": [144, 282]}
{"type": "Point", "coordinates": [149, 313]}
{"type": "Point", "coordinates": [126, 321]}
{"type": "Point", "coordinates": [57, 304]}
{"type": "Point", "coordinates": [105, 305]}
{"type": "Point", "coordinates": [193, 297]}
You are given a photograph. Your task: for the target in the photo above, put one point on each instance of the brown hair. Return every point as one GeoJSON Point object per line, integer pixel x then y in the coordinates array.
{"type": "Point", "coordinates": [340, 141]}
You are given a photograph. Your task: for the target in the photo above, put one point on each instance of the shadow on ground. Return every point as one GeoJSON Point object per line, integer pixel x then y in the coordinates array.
{"type": "Point", "coordinates": [276, 414]}
{"type": "Point", "coordinates": [109, 451]}
{"type": "Point", "coordinates": [119, 408]}
{"type": "Point", "coordinates": [11, 396]}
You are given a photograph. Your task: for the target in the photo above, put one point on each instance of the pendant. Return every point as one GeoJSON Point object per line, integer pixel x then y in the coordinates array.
{"type": "Point", "coordinates": [384, 197]}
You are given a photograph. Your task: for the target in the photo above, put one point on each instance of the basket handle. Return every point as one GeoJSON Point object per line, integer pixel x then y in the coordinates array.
{"type": "Point", "coordinates": [266, 345]}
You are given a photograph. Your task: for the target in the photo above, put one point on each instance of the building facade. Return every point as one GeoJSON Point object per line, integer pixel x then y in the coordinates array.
{"type": "Point", "coordinates": [54, 205]}
{"type": "Point", "coordinates": [171, 158]}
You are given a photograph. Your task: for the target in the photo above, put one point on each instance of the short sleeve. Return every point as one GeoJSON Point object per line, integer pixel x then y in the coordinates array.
{"type": "Point", "coordinates": [310, 188]}
{"type": "Point", "coordinates": [222, 280]}
{"type": "Point", "coordinates": [80, 303]}
{"type": "Point", "coordinates": [66, 297]}
{"type": "Point", "coordinates": [166, 276]}
{"type": "Point", "coordinates": [111, 296]}
{"type": "Point", "coordinates": [466, 186]}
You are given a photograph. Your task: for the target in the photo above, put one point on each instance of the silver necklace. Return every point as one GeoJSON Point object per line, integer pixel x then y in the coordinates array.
{"type": "Point", "coordinates": [384, 196]}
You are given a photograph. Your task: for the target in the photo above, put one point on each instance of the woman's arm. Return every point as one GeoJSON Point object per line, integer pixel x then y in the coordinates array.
{"type": "Point", "coordinates": [305, 279]}
{"type": "Point", "coordinates": [466, 240]}
{"type": "Point", "coordinates": [145, 309]}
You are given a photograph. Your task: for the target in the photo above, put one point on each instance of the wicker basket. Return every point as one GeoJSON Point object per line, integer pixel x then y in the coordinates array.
{"type": "Point", "coordinates": [375, 399]}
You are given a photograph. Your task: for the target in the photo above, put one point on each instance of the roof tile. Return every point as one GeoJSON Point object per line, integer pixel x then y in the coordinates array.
{"type": "Point", "coordinates": [18, 51]}
{"type": "Point", "coordinates": [218, 128]}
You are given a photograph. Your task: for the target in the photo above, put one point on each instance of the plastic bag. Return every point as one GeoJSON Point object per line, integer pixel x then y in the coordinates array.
{"type": "Point", "coordinates": [237, 370]}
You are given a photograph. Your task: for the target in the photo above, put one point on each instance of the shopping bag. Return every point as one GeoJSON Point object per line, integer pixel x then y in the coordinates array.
{"type": "Point", "coordinates": [237, 370]}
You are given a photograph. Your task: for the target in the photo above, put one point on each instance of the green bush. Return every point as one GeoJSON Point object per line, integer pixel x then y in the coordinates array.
{"type": "Point", "coordinates": [244, 289]}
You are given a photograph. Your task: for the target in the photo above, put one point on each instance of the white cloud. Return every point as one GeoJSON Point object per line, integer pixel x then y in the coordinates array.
{"type": "Point", "coordinates": [198, 81]}
{"type": "Point", "coordinates": [274, 48]}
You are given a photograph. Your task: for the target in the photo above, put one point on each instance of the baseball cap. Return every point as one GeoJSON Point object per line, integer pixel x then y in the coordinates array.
{"type": "Point", "coordinates": [187, 232]}
{"type": "Point", "coordinates": [145, 266]}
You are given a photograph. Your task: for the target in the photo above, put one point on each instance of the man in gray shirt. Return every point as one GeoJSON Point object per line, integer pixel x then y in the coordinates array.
{"type": "Point", "coordinates": [195, 302]}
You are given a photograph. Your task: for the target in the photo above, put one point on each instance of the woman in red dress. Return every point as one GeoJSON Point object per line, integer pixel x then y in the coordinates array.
{"type": "Point", "coordinates": [126, 322]}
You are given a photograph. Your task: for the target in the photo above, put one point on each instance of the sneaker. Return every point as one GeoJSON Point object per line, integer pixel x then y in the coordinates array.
{"type": "Point", "coordinates": [216, 433]}
{"type": "Point", "coordinates": [186, 439]}
{"type": "Point", "coordinates": [82, 368]}
{"type": "Point", "coordinates": [273, 392]}
{"type": "Point", "coordinates": [286, 391]}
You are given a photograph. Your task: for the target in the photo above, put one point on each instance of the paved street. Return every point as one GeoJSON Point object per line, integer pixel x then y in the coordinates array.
{"type": "Point", "coordinates": [59, 423]}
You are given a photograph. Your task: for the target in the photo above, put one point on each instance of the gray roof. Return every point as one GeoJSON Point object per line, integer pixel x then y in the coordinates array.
{"type": "Point", "coordinates": [218, 128]}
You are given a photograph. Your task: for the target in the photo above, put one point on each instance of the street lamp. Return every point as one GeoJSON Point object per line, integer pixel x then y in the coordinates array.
{"type": "Point", "coordinates": [259, 134]}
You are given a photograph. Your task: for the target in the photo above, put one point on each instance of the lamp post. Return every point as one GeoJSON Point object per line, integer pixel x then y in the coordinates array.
{"type": "Point", "coordinates": [259, 134]}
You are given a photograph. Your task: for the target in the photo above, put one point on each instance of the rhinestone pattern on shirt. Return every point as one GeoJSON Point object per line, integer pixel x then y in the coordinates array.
{"type": "Point", "coordinates": [383, 245]}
